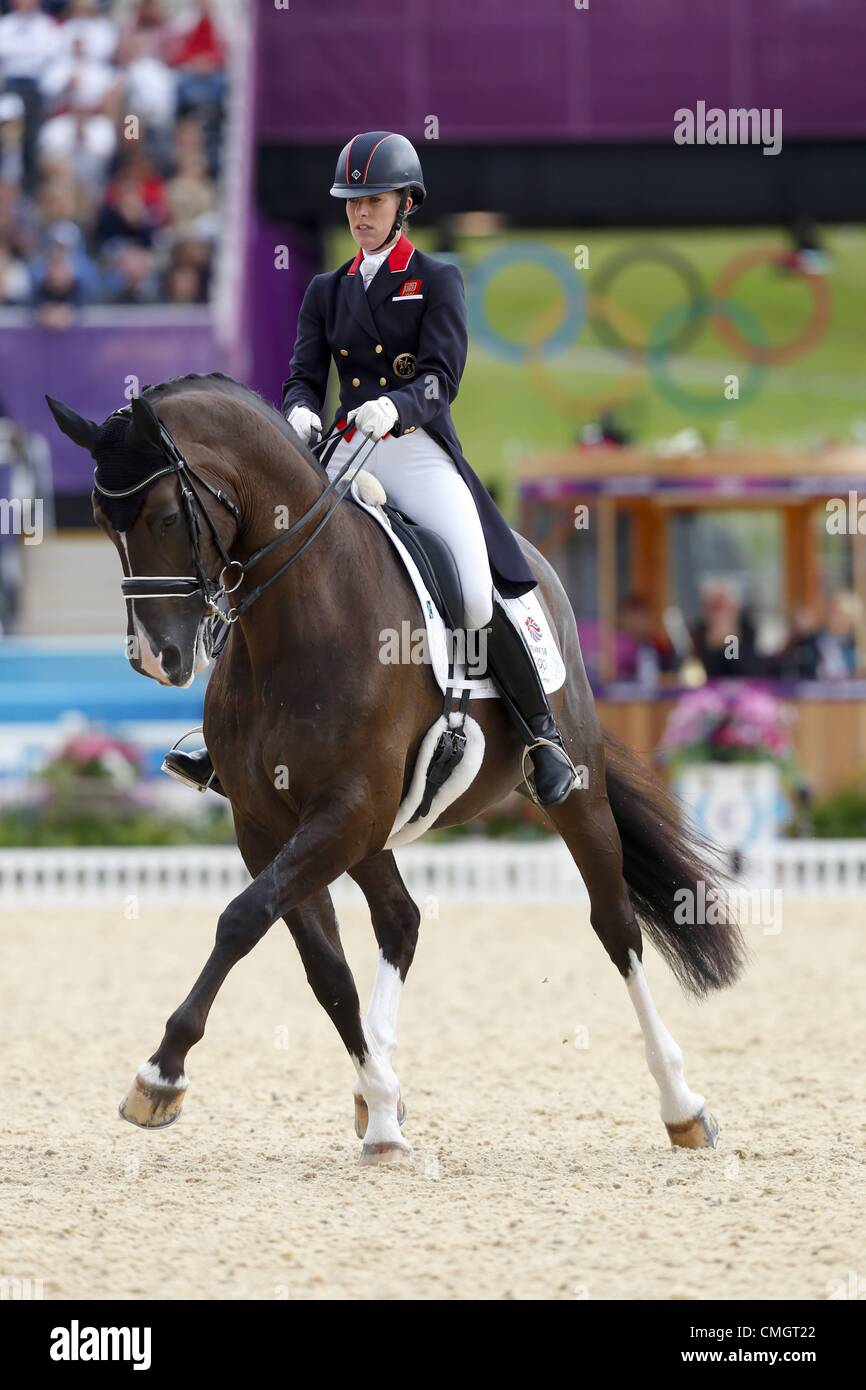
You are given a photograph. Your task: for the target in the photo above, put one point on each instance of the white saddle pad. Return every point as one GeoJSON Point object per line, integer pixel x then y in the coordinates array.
{"type": "Point", "coordinates": [527, 611]}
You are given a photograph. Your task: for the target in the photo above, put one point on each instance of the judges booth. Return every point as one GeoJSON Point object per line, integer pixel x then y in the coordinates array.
{"type": "Point", "coordinates": [785, 528]}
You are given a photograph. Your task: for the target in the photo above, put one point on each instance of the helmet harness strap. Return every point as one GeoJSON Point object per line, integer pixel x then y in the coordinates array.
{"type": "Point", "coordinates": [397, 226]}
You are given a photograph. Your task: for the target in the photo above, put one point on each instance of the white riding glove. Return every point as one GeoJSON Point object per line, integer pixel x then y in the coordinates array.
{"type": "Point", "coordinates": [303, 422]}
{"type": "Point", "coordinates": [374, 418]}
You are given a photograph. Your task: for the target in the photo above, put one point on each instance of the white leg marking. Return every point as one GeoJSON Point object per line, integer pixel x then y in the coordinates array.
{"type": "Point", "coordinates": [152, 1076]}
{"type": "Point", "coordinates": [381, 1020]}
{"type": "Point", "coordinates": [664, 1058]}
{"type": "Point", "coordinates": [377, 1081]}
{"type": "Point", "coordinates": [381, 1090]}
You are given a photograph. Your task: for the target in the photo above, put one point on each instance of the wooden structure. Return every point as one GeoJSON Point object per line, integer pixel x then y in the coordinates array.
{"type": "Point", "coordinates": [650, 489]}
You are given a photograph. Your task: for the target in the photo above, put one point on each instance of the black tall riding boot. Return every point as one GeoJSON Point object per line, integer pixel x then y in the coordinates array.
{"type": "Point", "coordinates": [192, 769]}
{"type": "Point", "coordinates": [511, 665]}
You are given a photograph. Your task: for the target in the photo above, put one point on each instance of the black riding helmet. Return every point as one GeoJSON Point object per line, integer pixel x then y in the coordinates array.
{"type": "Point", "coordinates": [380, 161]}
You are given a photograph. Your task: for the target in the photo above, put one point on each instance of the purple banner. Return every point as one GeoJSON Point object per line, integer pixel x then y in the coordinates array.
{"type": "Point", "coordinates": [505, 70]}
{"type": "Point", "coordinates": [281, 261]}
{"type": "Point", "coordinates": [89, 366]}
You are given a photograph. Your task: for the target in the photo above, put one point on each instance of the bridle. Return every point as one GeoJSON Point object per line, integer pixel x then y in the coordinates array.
{"type": "Point", "coordinates": [214, 590]}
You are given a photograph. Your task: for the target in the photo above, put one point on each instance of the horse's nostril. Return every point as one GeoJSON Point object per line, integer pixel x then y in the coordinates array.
{"type": "Point", "coordinates": [171, 661]}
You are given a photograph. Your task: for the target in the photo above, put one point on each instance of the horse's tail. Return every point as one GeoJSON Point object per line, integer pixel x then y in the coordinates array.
{"type": "Point", "coordinates": [660, 859]}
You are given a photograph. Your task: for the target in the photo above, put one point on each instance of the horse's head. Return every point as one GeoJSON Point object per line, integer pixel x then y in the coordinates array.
{"type": "Point", "coordinates": [145, 501]}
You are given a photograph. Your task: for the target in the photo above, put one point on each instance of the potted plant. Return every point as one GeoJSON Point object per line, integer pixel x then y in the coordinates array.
{"type": "Point", "coordinates": [92, 792]}
{"type": "Point", "coordinates": [729, 750]}
{"type": "Point", "coordinates": [93, 773]}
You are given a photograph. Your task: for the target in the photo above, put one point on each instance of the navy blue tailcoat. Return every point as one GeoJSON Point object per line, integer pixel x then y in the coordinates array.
{"type": "Point", "coordinates": [405, 338]}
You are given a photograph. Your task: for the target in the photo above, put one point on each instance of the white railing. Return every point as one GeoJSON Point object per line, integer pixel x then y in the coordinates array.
{"type": "Point", "coordinates": [463, 871]}
{"type": "Point", "coordinates": [809, 868]}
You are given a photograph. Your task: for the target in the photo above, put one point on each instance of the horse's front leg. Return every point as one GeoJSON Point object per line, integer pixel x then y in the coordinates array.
{"type": "Point", "coordinates": [395, 919]}
{"type": "Point", "coordinates": [327, 842]}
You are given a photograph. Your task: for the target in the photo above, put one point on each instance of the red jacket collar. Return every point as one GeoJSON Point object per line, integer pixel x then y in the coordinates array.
{"type": "Point", "coordinates": [398, 257]}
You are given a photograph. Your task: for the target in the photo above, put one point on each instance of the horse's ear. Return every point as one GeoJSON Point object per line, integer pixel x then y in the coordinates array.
{"type": "Point", "coordinates": [80, 431]}
{"type": "Point", "coordinates": [145, 432]}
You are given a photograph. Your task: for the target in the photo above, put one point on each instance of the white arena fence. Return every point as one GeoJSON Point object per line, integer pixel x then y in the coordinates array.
{"type": "Point", "coordinates": [467, 871]}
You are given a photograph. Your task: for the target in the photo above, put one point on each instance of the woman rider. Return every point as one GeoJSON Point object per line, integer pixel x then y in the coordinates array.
{"type": "Point", "coordinates": [393, 320]}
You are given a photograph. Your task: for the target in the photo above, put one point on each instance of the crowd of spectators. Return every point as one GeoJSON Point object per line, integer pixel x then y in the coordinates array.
{"type": "Point", "coordinates": [826, 645]}
{"type": "Point", "coordinates": [110, 138]}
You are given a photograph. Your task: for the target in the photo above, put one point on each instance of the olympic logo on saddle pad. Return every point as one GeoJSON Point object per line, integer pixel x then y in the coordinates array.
{"type": "Point", "coordinates": [533, 629]}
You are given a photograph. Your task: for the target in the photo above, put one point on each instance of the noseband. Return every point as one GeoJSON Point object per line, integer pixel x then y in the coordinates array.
{"type": "Point", "coordinates": [213, 590]}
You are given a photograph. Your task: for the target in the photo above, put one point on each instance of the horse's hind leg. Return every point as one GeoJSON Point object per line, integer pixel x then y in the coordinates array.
{"type": "Point", "coordinates": [316, 934]}
{"type": "Point", "coordinates": [586, 823]}
{"type": "Point", "coordinates": [395, 918]}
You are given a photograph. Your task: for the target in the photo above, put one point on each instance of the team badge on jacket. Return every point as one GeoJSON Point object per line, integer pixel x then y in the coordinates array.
{"type": "Point", "coordinates": [404, 364]}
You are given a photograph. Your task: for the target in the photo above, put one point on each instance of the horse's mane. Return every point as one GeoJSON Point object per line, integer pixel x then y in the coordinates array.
{"type": "Point", "coordinates": [227, 386]}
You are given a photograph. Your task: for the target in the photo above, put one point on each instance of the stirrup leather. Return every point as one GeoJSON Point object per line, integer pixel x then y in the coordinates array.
{"type": "Point", "coordinates": [527, 776]}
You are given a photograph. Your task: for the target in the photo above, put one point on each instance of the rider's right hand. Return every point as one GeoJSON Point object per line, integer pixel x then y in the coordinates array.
{"type": "Point", "coordinates": [303, 422]}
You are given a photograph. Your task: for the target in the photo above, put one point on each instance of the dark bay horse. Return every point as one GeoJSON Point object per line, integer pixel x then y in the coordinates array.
{"type": "Point", "coordinates": [314, 738]}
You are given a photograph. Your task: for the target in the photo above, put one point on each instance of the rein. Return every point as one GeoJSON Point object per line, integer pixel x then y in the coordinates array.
{"type": "Point", "coordinates": [213, 590]}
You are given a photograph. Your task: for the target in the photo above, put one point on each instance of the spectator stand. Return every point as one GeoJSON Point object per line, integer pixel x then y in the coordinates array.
{"type": "Point", "coordinates": [111, 132]}
{"type": "Point", "coordinates": [113, 124]}
{"type": "Point", "coordinates": [657, 552]}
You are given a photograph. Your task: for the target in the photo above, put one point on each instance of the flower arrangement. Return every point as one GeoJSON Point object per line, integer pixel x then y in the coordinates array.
{"type": "Point", "coordinates": [93, 792]}
{"type": "Point", "coordinates": [95, 755]}
{"type": "Point", "coordinates": [729, 722]}
{"type": "Point", "coordinates": [93, 774]}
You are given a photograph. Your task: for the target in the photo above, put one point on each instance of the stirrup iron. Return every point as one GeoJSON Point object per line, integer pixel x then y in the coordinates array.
{"type": "Point", "coordinates": [177, 776]}
{"type": "Point", "coordinates": [527, 776]}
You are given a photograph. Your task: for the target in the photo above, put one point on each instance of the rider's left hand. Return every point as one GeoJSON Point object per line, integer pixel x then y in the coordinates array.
{"type": "Point", "coordinates": [374, 418]}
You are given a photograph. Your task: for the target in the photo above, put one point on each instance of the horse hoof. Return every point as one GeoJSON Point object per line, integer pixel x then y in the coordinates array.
{"type": "Point", "coordinates": [700, 1133]}
{"type": "Point", "coordinates": [151, 1107]}
{"type": "Point", "coordinates": [385, 1155]}
{"type": "Point", "coordinates": [361, 1115]}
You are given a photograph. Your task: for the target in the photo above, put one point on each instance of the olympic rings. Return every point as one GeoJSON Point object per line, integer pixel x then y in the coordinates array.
{"type": "Point", "coordinates": [783, 352]}
{"type": "Point", "coordinates": [519, 252]}
{"type": "Point", "coordinates": [584, 406]}
{"type": "Point", "coordinates": [555, 329]}
{"type": "Point", "coordinates": [661, 255]}
{"type": "Point", "coordinates": [659, 347]}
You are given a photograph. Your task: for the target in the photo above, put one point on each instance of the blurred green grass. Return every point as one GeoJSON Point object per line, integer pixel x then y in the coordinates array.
{"type": "Point", "coordinates": [502, 411]}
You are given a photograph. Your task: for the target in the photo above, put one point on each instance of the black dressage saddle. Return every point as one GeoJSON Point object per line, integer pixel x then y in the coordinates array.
{"type": "Point", "coordinates": [435, 563]}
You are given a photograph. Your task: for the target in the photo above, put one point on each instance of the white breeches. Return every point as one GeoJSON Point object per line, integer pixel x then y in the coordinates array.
{"type": "Point", "coordinates": [422, 481]}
